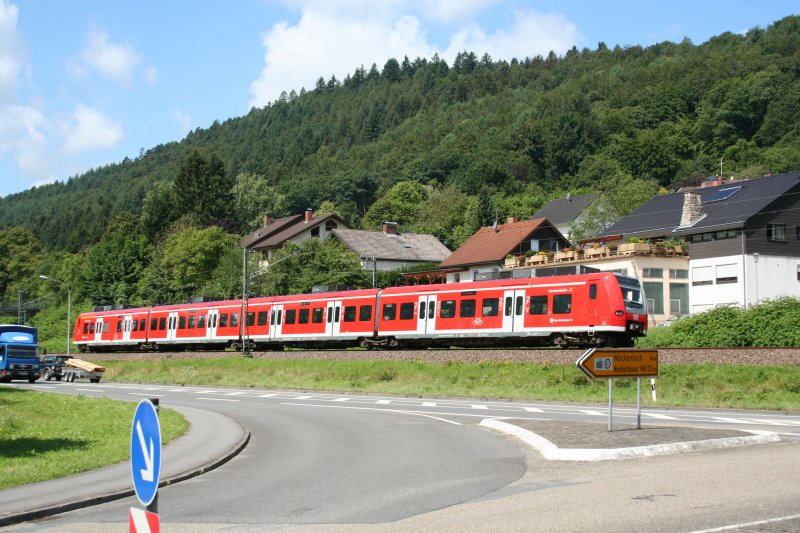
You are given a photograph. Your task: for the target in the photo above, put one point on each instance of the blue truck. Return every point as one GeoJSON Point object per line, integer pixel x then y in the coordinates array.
{"type": "Point", "coordinates": [19, 353]}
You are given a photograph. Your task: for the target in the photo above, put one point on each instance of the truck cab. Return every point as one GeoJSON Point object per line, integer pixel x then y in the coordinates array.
{"type": "Point", "coordinates": [19, 353]}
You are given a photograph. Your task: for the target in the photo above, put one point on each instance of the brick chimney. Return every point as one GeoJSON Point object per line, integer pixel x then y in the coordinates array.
{"type": "Point", "coordinates": [511, 220]}
{"type": "Point", "coordinates": [692, 208]}
{"type": "Point", "coordinates": [267, 220]}
{"type": "Point", "coordinates": [309, 214]}
{"type": "Point", "coordinates": [390, 228]}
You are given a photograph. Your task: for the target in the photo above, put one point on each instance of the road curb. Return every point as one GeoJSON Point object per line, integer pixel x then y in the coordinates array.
{"type": "Point", "coordinates": [551, 452]}
{"type": "Point", "coordinates": [43, 512]}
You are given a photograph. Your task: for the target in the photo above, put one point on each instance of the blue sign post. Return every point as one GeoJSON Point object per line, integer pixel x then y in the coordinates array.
{"type": "Point", "coordinates": [145, 452]}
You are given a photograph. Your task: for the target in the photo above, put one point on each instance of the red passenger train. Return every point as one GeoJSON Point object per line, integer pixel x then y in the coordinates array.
{"type": "Point", "coordinates": [597, 309]}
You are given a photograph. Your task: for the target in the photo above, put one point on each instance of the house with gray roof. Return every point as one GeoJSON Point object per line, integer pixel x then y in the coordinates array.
{"type": "Point", "coordinates": [390, 249]}
{"type": "Point", "coordinates": [562, 213]}
{"type": "Point", "coordinates": [743, 238]}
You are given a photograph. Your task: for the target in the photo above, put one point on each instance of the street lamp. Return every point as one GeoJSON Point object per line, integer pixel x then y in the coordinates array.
{"type": "Point", "coordinates": [69, 306]}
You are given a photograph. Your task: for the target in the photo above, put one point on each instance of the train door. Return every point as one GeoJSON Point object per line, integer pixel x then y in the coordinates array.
{"type": "Point", "coordinates": [513, 310]}
{"type": "Point", "coordinates": [127, 326]}
{"type": "Point", "coordinates": [426, 315]}
{"type": "Point", "coordinates": [172, 326]}
{"type": "Point", "coordinates": [98, 330]}
{"type": "Point", "coordinates": [211, 323]}
{"type": "Point", "coordinates": [276, 322]}
{"type": "Point", "coordinates": [333, 318]}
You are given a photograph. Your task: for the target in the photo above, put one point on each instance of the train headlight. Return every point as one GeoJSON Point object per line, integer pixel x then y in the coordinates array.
{"type": "Point", "coordinates": [619, 313]}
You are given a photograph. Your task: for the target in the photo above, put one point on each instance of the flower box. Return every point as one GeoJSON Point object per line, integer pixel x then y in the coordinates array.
{"type": "Point", "coordinates": [627, 248]}
{"type": "Point", "coordinates": [594, 252]}
{"type": "Point", "coordinates": [536, 259]}
{"type": "Point", "coordinates": [565, 256]}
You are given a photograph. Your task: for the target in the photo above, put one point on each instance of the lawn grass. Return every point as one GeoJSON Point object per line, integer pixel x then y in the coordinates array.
{"type": "Point", "coordinates": [707, 385]}
{"type": "Point", "coordinates": [48, 436]}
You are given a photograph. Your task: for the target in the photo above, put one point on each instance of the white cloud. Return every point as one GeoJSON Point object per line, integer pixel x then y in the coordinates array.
{"type": "Point", "coordinates": [115, 61]}
{"type": "Point", "coordinates": [532, 34]}
{"type": "Point", "coordinates": [336, 37]}
{"type": "Point", "coordinates": [88, 129]}
{"type": "Point", "coordinates": [24, 131]}
{"type": "Point", "coordinates": [183, 120]}
{"type": "Point", "coordinates": [12, 57]}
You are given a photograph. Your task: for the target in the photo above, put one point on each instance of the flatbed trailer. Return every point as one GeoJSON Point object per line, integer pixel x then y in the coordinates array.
{"type": "Point", "coordinates": [79, 369]}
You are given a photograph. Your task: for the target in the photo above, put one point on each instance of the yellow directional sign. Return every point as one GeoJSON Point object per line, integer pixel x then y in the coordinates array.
{"type": "Point", "coordinates": [619, 363]}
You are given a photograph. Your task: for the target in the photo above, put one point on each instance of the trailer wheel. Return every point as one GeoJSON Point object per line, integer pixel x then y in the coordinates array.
{"type": "Point", "coordinates": [95, 380]}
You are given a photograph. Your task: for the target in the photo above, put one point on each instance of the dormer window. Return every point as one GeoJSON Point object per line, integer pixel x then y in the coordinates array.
{"type": "Point", "coordinates": [330, 225]}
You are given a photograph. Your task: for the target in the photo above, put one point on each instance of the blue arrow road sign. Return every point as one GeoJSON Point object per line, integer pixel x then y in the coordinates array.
{"type": "Point", "coordinates": [145, 452]}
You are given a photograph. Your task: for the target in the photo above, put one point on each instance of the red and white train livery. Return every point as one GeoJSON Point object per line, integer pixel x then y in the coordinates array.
{"type": "Point", "coordinates": [597, 309]}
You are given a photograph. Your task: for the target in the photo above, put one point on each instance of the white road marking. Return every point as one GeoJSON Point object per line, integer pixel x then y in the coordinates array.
{"type": "Point", "coordinates": [383, 402]}
{"type": "Point", "coordinates": [659, 416]}
{"type": "Point", "coordinates": [219, 399]}
{"type": "Point", "coordinates": [749, 524]}
{"type": "Point", "coordinates": [148, 395]}
{"type": "Point", "coordinates": [428, 404]}
{"type": "Point", "coordinates": [341, 400]}
{"type": "Point", "coordinates": [592, 412]}
{"type": "Point", "coordinates": [533, 409]}
{"type": "Point", "coordinates": [478, 406]}
{"type": "Point", "coordinates": [303, 397]}
{"type": "Point", "coordinates": [426, 415]}
{"type": "Point", "coordinates": [730, 420]}
{"type": "Point", "coordinates": [89, 390]}
{"type": "Point", "coordinates": [266, 395]}
{"type": "Point", "coordinates": [235, 393]}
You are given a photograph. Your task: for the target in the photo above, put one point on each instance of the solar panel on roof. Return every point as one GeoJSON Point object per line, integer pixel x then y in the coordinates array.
{"type": "Point", "coordinates": [722, 194]}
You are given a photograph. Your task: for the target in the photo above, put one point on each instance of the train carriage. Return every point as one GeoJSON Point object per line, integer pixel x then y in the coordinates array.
{"type": "Point", "coordinates": [597, 309]}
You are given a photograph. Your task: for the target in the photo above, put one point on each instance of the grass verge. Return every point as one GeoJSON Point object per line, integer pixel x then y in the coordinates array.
{"type": "Point", "coordinates": [48, 436]}
{"type": "Point", "coordinates": [731, 386]}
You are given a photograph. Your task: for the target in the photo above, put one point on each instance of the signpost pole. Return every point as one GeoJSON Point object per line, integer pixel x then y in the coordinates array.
{"type": "Point", "coordinates": [153, 507]}
{"type": "Point", "coordinates": [638, 403]}
{"type": "Point", "coordinates": [610, 397]}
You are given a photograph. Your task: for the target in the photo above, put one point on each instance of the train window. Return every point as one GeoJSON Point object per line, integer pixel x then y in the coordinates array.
{"type": "Point", "coordinates": [182, 322]}
{"type": "Point", "coordinates": [330, 315]}
{"type": "Point", "coordinates": [85, 328]}
{"type": "Point", "coordinates": [406, 311]}
{"type": "Point", "coordinates": [212, 321]}
{"type": "Point", "coordinates": [365, 313]}
{"type": "Point", "coordinates": [251, 318]}
{"type": "Point", "coordinates": [153, 324]}
{"type": "Point", "coordinates": [448, 309]}
{"type": "Point", "coordinates": [135, 326]}
{"type": "Point", "coordinates": [421, 310]}
{"type": "Point", "coordinates": [223, 320]}
{"type": "Point", "coordinates": [303, 316]}
{"type": "Point", "coordinates": [317, 315]}
{"type": "Point", "coordinates": [350, 313]}
{"type": "Point", "coordinates": [593, 291]}
{"type": "Point", "coordinates": [201, 321]}
{"type": "Point", "coordinates": [389, 311]}
{"type": "Point", "coordinates": [291, 315]}
{"type": "Point", "coordinates": [467, 308]}
{"type": "Point", "coordinates": [162, 323]}
{"type": "Point", "coordinates": [280, 316]}
{"type": "Point", "coordinates": [338, 312]}
{"type": "Point", "coordinates": [490, 307]}
{"type": "Point", "coordinates": [234, 319]}
{"type": "Point", "coordinates": [562, 304]}
{"type": "Point", "coordinates": [105, 327]}
{"type": "Point", "coordinates": [520, 305]}
{"type": "Point", "coordinates": [431, 310]}
{"type": "Point", "coordinates": [509, 306]}
{"type": "Point", "coordinates": [538, 305]}
{"type": "Point", "coordinates": [91, 328]}
{"type": "Point", "coordinates": [192, 322]}
{"type": "Point", "coordinates": [262, 318]}
{"type": "Point", "coordinates": [272, 318]}
{"type": "Point", "coordinates": [119, 326]}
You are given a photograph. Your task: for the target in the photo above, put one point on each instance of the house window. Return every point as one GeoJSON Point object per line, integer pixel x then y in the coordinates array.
{"type": "Point", "coordinates": [330, 225]}
{"type": "Point", "coordinates": [655, 296]}
{"type": "Point", "coordinates": [727, 273]}
{"type": "Point", "coordinates": [702, 275]}
{"type": "Point", "coordinates": [652, 272]}
{"type": "Point", "coordinates": [315, 232]}
{"type": "Point", "coordinates": [776, 232]}
{"type": "Point", "coordinates": [678, 273]}
{"type": "Point", "coordinates": [679, 292]}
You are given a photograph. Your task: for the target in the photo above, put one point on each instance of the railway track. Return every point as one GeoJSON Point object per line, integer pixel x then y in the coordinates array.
{"type": "Point", "coordinates": [752, 356]}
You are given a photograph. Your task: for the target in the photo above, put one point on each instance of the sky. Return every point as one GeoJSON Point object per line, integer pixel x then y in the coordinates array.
{"type": "Point", "coordinates": [86, 83]}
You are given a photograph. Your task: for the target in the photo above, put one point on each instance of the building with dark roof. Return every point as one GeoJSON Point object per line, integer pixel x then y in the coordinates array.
{"type": "Point", "coordinates": [563, 212]}
{"type": "Point", "coordinates": [743, 238]}
{"type": "Point", "coordinates": [296, 228]}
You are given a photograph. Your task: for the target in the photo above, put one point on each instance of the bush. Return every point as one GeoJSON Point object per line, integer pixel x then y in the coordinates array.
{"type": "Point", "coordinates": [770, 323]}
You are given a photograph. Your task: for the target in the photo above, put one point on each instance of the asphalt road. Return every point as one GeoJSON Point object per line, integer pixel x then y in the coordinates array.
{"type": "Point", "coordinates": [332, 462]}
